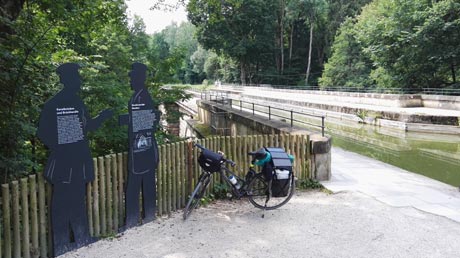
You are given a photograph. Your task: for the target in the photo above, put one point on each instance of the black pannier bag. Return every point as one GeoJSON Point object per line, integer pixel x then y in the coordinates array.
{"type": "Point", "coordinates": [210, 161]}
{"type": "Point", "coordinates": [282, 172]}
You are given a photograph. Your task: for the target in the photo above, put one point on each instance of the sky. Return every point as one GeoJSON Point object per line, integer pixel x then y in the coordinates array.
{"type": "Point", "coordinates": [155, 20]}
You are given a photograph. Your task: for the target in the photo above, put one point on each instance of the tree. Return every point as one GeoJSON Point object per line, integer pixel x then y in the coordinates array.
{"type": "Point", "coordinates": [241, 29]}
{"type": "Point", "coordinates": [348, 66]}
{"type": "Point", "coordinates": [313, 10]}
{"type": "Point", "coordinates": [438, 40]}
{"type": "Point", "coordinates": [398, 44]}
{"type": "Point", "coordinates": [44, 34]}
{"type": "Point", "coordinates": [198, 59]}
{"type": "Point", "coordinates": [337, 12]}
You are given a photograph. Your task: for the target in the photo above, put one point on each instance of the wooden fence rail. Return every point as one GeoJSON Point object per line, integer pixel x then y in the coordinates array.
{"type": "Point", "coordinates": [24, 217]}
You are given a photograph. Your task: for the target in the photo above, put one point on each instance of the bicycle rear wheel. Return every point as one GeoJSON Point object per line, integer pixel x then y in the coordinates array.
{"type": "Point", "coordinates": [258, 192]}
{"type": "Point", "coordinates": [197, 194]}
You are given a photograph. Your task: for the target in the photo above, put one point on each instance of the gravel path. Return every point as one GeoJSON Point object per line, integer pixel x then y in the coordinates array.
{"type": "Point", "coordinates": [312, 224]}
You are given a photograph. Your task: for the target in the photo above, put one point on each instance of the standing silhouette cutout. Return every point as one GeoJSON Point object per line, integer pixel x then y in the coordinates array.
{"type": "Point", "coordinates": [142, 121]}
{"type": "Point", "coordinates": [64, 122]}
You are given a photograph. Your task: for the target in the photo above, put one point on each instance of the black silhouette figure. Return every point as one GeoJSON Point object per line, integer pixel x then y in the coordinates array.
{"type": "Point", "coordinates": [64, 123]}
{"type": "Point", "coordinates": [142, 122]}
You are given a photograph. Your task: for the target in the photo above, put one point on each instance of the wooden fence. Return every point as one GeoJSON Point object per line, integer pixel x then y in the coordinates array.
{"type": "Point", "coordinates": [24, 217]}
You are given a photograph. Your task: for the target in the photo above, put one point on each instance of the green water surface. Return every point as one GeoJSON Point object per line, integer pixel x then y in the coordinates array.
{"type": "Point", "coordinates": [434, 155]}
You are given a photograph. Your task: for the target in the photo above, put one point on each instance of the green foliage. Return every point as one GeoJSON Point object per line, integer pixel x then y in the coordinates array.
{"type": "Point", "coordinates": [220, 190]}
{"type": "Point", "coordinates": [362, 114]}
{"type": "Point", "coordinates": [203, 130]}
{"type": "Point", "coordinates": [310, 184]}
{"type": "Point", "coordinates": [396, 44]}
{"type": "Point", "coordinates": [47, 33]}
{"type": "Point", "coordinates": [242, 30]}
{"type": "Point", "coordinates": [347, 67]}
{"type": "Point", "coordinates": [205, 200]}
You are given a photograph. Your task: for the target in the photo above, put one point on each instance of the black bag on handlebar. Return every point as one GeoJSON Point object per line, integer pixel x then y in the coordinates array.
{"type": "Point", "coordinates": [210, 161]}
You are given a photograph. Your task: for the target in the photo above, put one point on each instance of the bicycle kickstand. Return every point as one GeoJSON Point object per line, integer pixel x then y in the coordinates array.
{"type": "Point", "coordinates": [268, 198]}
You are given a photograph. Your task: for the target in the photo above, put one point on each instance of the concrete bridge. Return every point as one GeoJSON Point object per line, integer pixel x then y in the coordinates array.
{"type": "Point", "coordinates": [406, 112]}
{"type": "Point", "coordinates": [353, 172]}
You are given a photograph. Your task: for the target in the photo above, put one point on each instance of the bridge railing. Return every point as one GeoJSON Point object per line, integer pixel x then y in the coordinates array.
{"type": "Point", "coordinates": [428, 91]}
{"type": "Point", "coordinates": [281, 113]}
{"type": "Point", "coordinates": [270, 111]}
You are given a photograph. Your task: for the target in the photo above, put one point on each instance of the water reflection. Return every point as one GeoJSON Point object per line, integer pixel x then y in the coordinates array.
{"type": "Point", "coordinates": [434, 155]}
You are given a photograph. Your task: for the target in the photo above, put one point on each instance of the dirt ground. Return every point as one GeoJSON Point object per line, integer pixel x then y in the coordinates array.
{"type": "Point", "coordinates": [312, 224]}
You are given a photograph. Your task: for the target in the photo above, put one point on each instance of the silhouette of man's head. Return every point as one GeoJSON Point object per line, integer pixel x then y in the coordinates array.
{"type": "Point", "coordinates": [138, 75]}
{"type": "Point", "coordinates": [69, 76]}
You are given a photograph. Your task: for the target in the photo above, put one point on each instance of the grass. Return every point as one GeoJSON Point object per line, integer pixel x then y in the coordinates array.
{"type": "Point", "coordinates": [204, 130]}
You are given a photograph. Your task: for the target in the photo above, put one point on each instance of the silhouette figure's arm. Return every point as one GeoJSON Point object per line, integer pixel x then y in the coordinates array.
{"type": "Point", "coordinates": [123, 119]}
{"type": "Point", "coordinates": [94, 123]}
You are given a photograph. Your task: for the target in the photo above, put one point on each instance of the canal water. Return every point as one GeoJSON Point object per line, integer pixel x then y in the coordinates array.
{"type": "Point", "coordinates": [434, 155]}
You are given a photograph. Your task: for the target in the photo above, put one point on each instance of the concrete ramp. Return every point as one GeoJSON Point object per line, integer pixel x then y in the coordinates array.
{"type": "Point", "coordinates": [392, 185]}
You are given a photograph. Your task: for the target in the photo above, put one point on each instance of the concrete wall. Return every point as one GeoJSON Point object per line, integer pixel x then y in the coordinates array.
{"type": "Point", "coordinates": [243, 123]}
{"type": "Point", "coordinates": [443, 102]}
{"type": "Point", "coordinates": [378, 99]}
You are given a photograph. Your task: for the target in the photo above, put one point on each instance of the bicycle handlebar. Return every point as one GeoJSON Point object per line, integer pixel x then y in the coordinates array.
{"type": "Point", "coordinates": [199, 146]}
{"type": "Point", "coordinates": [231, 162]}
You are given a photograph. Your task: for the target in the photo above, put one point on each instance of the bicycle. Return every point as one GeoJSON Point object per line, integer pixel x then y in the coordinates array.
{"type": "Point", "coordinates": [259, 189]}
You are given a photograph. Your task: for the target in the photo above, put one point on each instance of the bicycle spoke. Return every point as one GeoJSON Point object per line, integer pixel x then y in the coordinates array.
{"type": "Point", "coordinates": [258, 194]}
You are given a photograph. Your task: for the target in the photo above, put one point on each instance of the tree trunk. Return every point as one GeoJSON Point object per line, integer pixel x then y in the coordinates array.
{"type": "Point", "coordinates": [452, 66]}
{"type": "Point", "coordinates": [307, 75]}
{"type": "Point", "coordinates": [290, 44]}
{"type": "Point", "coordinates": [242, 73]}
{"type": "Point", "coordinates": [282, 36]}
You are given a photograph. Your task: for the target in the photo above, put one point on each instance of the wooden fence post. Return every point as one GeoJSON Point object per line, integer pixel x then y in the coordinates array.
{"type": "Point", "coordinates": [43, 221]}
{"type": "Point", "coordinates": [124, 180]}
{"type": "Point", "coordinates": [189, 168]}
{"type": "Point", "coordinates": [34, 216]}
{"type": "Point", "coordinates": [159, 183]}
{"type": "Point", "coordinates": [120, 170]}
{"type": "Point", "coordinates": [16, 221]}
{"type": "Point", "coordinates": [6, 220]}
{"type": "Point", "coordinates": [114, 193]}
{"type": "Point", "coordinates": [195, 169]}
{"type": "Point", "coordinates": [89, 207]}
{"type": "Point", "coordinates": [164, 178]}
{"type": "Point", "coordinates": [25, 218]}
{"type": "Point", "coordinates": [96, 216]}
{"type": "Point", "coordinates": [102, 206]}
{"type": "Point", "coordinates": [185, 175]}
{"type": "Point", "coordinates": [168, 177]}
{"type": "Point", "coordinates": [177, 174]}
{"type": "Point", "coordinates": [108, 188]}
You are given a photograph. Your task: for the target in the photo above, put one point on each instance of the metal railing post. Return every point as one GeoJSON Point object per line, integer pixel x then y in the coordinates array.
{"type": "Point", "coordinates": [322, 125]}
{"type": "Point", "coordinates": [292, 118]}
{"type": "Point", "coordinates": [269, 113]}
{"type": "Point", "coordinates": [253, 108]}
{"type": "Point", "coordinates": [241, 105]}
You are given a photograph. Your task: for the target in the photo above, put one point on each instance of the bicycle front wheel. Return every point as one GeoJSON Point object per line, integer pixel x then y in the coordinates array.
{"type": "Point", "coordinates": [259, 196]}
{"type": "Point", "coordinates": [197, 194]}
